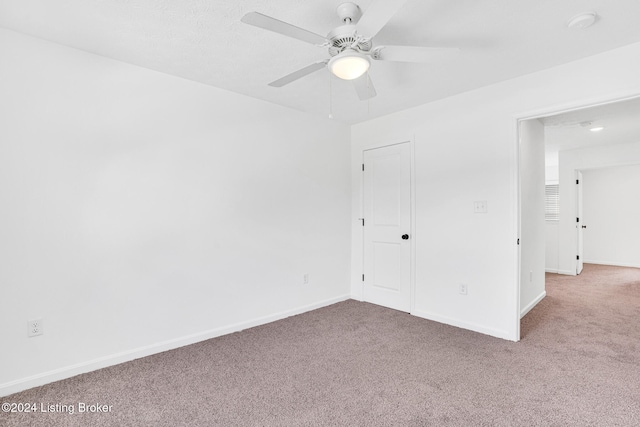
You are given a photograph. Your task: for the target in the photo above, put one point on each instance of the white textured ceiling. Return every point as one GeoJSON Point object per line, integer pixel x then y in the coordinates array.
{"type": "Point", "coordinates": [206, 42]}
{"type": "Point", "coordinates": [570, 130]}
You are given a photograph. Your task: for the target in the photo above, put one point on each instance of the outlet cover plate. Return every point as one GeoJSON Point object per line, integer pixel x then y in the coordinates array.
{"type": "Point", "coordinates": [480, 206]}
{"type": "Point", "coordinates": [35, 327]}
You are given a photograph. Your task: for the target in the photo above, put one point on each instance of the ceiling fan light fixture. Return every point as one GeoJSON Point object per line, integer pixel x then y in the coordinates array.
{"type": "Point", "coordinates": [349, 64]}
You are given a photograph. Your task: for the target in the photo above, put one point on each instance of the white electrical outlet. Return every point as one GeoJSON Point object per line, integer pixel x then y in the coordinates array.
{"type": "Point", "coordinates": [480, 206]}
{"type": "Point", "coordinates": [462, 290]}
{"type": "Point", "coordinates": [35, 327]}
{"type": "Point", "coordinates": [305, 278]}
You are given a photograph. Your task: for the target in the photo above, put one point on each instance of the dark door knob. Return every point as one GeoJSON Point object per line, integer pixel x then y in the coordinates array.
{"type": "Point", "coordinates": [584, 226]}
{"type": "Point", "coordinates": [405, 237]}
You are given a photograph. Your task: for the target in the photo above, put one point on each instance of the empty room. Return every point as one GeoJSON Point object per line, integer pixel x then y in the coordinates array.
{"type": "Point", "coordinates": [285, 213]}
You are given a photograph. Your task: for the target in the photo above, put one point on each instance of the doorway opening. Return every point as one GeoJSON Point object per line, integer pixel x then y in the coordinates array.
{"type": "Point", "coordinates": [558, 153]}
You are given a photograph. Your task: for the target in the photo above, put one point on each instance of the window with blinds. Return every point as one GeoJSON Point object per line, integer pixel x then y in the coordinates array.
{"type": "Point", "coordinates": [551, 202]}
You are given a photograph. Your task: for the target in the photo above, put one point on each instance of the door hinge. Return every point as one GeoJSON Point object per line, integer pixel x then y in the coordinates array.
{"type": "Point", "coordinates": [577, 181]}
{"type": "Point", "coordinates": [363, 277]}
{"type": "Point", "coordinates": [577, 219]}
{"type": "Point", "coordinates": [363, 222]}
{"type": "Point", "coordinates": [577, 256]}
{"type": "Point", "coordinates": [363, 166]}
{"type": "Point", "coordinates": [518, 241]}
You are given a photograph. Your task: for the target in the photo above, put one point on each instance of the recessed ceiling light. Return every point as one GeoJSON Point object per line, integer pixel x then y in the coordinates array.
{"type": "Point", "coordinates": [596, 128]}
{"type": "Point", "coordinates": [582, 21]}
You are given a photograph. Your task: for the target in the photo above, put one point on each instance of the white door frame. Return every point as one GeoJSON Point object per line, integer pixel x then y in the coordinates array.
{"type": "Point", "coordinates": [412, 232]}
{"type": "Point", "coordinates": [579, 214]}
{"type": "Point", "coordinates": [515, 178]}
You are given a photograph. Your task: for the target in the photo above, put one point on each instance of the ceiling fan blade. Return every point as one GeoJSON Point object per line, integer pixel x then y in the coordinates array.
{"type": "Point", "coordinates": [377, 15]}
{"type": "Point", "coordinates": [364, 87]}
{"type": "Point", "coordinates": [268, 23]}
{"type": "Point", "coordinates": [412, 53]}
{"type": "Point", "coordinates": [298, 74]}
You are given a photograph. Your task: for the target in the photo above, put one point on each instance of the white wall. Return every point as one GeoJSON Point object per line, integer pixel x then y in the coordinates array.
{"type": "Point", "coordinates": [532, 231]}
{"type": "Point", "coordinates": [611, 211]}
{"type": "Point", "coordinates": [141, 211]}
{"type": "Point", "coordinates": [552, 173]}
{"type": "Point", "coordinates": [465, 150]}
{"type": "Point", "coordinates": [582, 159]}
{"type": "Point", "coordinates": [551, 254]}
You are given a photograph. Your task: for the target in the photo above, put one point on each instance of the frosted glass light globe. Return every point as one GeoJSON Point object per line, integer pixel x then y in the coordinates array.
{"type": "Point", "coordinates": [349, 64]}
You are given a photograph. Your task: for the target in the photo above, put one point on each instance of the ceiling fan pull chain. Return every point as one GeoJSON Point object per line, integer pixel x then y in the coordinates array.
{"type": "Point", "coordinates": [330, 97]}
{"type": "Point", "coordinates": [368, 98]}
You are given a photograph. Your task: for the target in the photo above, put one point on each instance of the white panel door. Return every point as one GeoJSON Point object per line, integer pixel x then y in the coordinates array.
{"type": "Point", "coordinates": [387, 226]}
{"type": "Point", "coordinates": [579, 263]}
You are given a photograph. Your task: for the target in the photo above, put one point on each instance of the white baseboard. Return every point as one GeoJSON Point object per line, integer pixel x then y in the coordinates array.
{"type": "Point", "coordinates": [532, 304]}
{"type": "Point", "coordinates": [565, 272]}
{"type": "Point", "coordinates": [125, 356]}
{"type": "Point", "coordinates": [464, 325]}
{"type": "Point", "coordinates": [615, 264]}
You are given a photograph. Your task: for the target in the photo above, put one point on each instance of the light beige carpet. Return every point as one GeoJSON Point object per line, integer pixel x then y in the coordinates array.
{"type": "Point", "coordinates": [357, 364]}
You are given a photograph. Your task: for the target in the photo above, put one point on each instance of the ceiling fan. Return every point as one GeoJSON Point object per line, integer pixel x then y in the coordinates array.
{"type": "Point", "coordinates": [350, 45]}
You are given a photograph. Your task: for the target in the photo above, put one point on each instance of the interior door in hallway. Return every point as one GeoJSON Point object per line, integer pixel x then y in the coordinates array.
{"type": "Point", "coordinates": [387, 226]}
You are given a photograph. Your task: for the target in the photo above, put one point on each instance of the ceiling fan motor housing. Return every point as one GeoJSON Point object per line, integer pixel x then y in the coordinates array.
{"type": "Point", "coordinates": [344, 37]}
